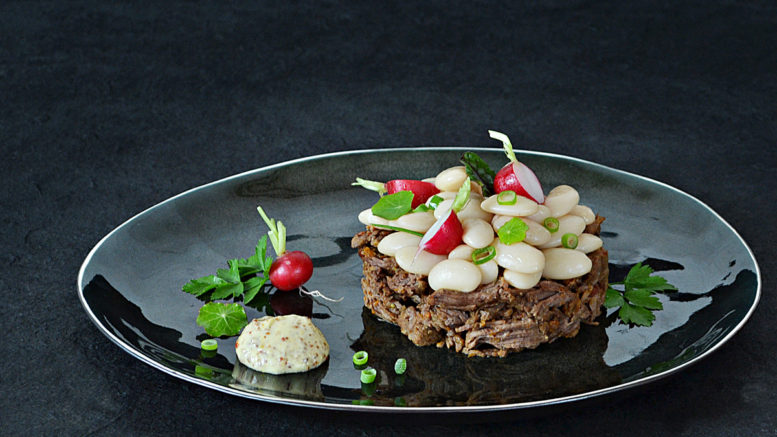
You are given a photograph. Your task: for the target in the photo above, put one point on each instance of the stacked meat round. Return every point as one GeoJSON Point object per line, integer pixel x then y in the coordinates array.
{"type": "Point", "coordinates": [494, 319]}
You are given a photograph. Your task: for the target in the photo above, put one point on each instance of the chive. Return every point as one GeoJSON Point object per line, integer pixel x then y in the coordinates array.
{"type": "Point", "coordinates": [400, 366]}
{"type": "Point", "coordinates": [490, 252]}
{"type": "Point", "coordinates": [569, 240]}
{"type": "Point", "coordinates": [398, 229]}
{"type": "Point", "coordinates": [360, 358]}
{"type": "Point", "coordinates": [507, 197]}
{"type": "Point", "coordinates": [551, 224]}
{"type": "Point", "coordinates": [209, 344]}
{"type": "Point", "coordinates": [368, 375]}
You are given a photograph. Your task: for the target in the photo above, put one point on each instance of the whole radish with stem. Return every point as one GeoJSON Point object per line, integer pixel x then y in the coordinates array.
{"type": "Point", "coordinates": [290, 270]}
{"type": "Point", "coordinates": [515, 175]}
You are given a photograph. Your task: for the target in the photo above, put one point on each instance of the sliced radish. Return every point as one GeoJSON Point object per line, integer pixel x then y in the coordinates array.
{"type": "Point", "coordinates": [421, 190]}
{"type": "Point", "coordinates": [444, 235]}
{"type": "Point", "coordinates": [517, 177]}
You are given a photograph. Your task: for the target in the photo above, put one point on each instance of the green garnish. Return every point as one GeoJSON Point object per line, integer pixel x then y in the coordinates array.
{"type": "Point", "coordinates": [400, 402]}
{"type": "Point", "coordinates": [368, 375]}
{"type": "Point", "coordinates": [400, 366]}
{"type": "Point", "coordinates": [393, 206]}
{"type": "Point", "coordinates": [483, 255]}
{"type": "Point", "coordinates": [513, 231]}
{"type": "Point", "coordinates": [238, 280]}
{"type": "Point", "coordinates": [209, 344]}
{"type": "Point", "coordinates": [462, 197]}
{"type": "Point", "coordinates": [433, 202]}
{"type": "Point", "coordinates": [479, 171]}
{"type": "Point", "coordinates": [508, 146]}
{"type": "Point", "coordinates": [398, 229]}
{"type": "Point", "coordinates": [379, 187]}
{"type": "Point", "coordinates": [507, 197]}
{"type": "Point", "coordinates": [222, 318]}
{"type": "Point", "coordinates": [637, 301]}
{"type": "Point", "coordinates": [569, 240]}
{"type": "Point", "coordinates": [551, 224]}
{"type": "Point", "coordinates": [360, 358]}
{"type": "Point", "coordinates": [277, 232]}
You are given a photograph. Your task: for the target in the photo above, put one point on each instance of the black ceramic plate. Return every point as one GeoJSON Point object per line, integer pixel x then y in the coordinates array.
{"type": "Point", "coordinates": [130, 285]}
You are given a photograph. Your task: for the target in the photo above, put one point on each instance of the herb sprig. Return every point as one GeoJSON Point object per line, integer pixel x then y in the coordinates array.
{"type": "Point", "coordinates": [637, 300]}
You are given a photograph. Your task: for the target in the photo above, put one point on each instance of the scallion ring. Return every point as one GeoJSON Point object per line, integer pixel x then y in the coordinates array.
{"type": "Point", "coordinates": [507, 197]}
{"type": "Point", "coordinates": [400, 366]}
{"type": "Point", "coordinates": [360, 358]}
{"type": "Point", "coordinates": [551, 224]}
{"type": "Point", "coordinates": [368, 375]}
{"type": "Point", "coordinates": [483, 255]}
{"type": "Point", "coordinates": [569, 240]}
{"type": "Point", "coordinates": [209, 344]}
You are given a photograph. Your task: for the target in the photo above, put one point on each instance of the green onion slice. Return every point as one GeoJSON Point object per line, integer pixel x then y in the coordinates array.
{"type": "Point", "coordinates": [551, 224]}
{"type": "Point", "coordinates": [400, 366]}
{"type": "Point", "coordinates": [569, 240]}
{"type": "Point", "coordinates": [368, 375]}
{"type": "Point", "coordinates": [360, 358]}
{"type": "Point", "coordinates": [507, 197]}
{"type": "Point", "coordinates": [483, 255]}
{"type": "Point", "coordinates": [209, 344]}
{"type": "Point", "coordinates": [398, 229]}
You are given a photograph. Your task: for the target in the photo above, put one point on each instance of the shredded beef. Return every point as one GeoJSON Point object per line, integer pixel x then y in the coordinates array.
{"type": "Point", "coordinates": [493, 320]}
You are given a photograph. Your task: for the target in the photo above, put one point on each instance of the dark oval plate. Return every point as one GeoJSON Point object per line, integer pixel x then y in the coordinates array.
{"type": "Point", "coordinates": [130, 285]}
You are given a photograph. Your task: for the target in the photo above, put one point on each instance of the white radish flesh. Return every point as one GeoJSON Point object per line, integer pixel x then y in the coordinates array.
{"type": "Point", "coordinates": [391, 243]}
{"type": "Point", "coordinates": [477, 233]}
{"type": "Point", "coordinates": [450, 179]}
{"type": "Point", "coordinates": [561, 200]}
{"type": "Point", "coordinates": [587, 243]}
{"type": "Point", "coordinates": [562, 263]}
{"type": "Point", "coordinates": [521, 208]}
{"type": "Point", "coordinates": [519, 257]}
{"type": "Point", "coordinates": [455, 274]}
{"type": "Point", "coordinates": [444, 235]}
{"type": "Point", "coordinates": [522, 281]}
{"type": "Point", "coordinates": [568, 224]}
{"type": "Point", "coordinates": [421, 264]}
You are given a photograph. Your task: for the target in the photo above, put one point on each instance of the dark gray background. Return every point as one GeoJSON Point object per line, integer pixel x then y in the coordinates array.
{"type": "Point", "coordinates": [108, 108]}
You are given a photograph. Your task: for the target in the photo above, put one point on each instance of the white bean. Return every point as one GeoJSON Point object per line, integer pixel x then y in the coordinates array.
{"type": "Point", "coordinates": [455, 274]}
{"type": "Point", "coordinates": [391, 243]}
{"type": "Point", "coordinates": [561, 199]}
{"type": "Point", "coordinates": [470, 210]}
{"type": "Point", "coordinates": [521, 208]}
{"type": "Point", "coordinates": [461, 251]}
{"type": "Point", "coordinates": [477, 233]}
{"type": "Point", "coordinates": [415, 221]}
{"type": "Point", "coordinates": [499, 220]}
{"type": "Point", "coordinates": [585, 212]}
{"type": "Point", "coordinates": [568, 224]}
{"type": "Point", "coordinates": [522, 281]}
{"type": "Point", "coordinates": [519, 257]}
{"type": "Point", "coordinates": [542, 213]}
{"type": "Point", "coordinates": [536, 235]}
{"type": "Point", "coordinates": [421, 264]}
{"type": "Point", "coordinates": [489, 271]}
{"type": "Point", "coordinates": [368, 218]}
{"type": "Point", "coordinates": [561, 263]}
{"type": "Point", "coordinates": [587, 243]}
{"type": "Point", "coordinates": [450, 179]}
{"type": "Point", "coordinates": [447, 194]}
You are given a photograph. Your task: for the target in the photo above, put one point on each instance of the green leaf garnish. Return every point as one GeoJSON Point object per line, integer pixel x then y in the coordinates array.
{"type": "Point", "coordinates": [222, 318]}
{"type": "Point", "coordinates": [399, 229]}
{"type": "Point", "coordinates": [513, 231]}
{"type": "Point", "coordinates": [393, 206]}
{"type": "Point", "coordinates": [462, 197]}
{"type": "Point", "coordinates": [637, 300]}
{"type": "Point", "coordinates": [479, 171]}
{"type": "Point", "coordinates": [227, 291]}
{"type": "Point", "coordinates": [202, 285]}
{"type": "Point", "coordinates": [253, 286]}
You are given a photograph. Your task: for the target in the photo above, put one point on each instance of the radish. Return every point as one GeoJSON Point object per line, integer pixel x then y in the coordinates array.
{"type": "Point", "coordinates": [516, 176]}
{"type": "Point", "coordinates": [421, 190]}
{"type": "Point", "coordinates": [446, 233]}
{"type": "Point", "coordinates": [290, 270]}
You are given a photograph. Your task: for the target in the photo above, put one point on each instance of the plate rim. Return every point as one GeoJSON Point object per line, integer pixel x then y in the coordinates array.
{"type": "Point", "coordinates": [432, 409]}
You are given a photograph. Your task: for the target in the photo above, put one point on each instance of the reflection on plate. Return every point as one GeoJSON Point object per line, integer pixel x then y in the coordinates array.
{"type": "Point", "coordinates": [130, 286]}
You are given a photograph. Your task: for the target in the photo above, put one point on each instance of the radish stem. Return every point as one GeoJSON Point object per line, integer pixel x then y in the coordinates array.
{"type": "Point", "coordinates": [277, 232]}
{"type": "Point", "coordinates": [508, 146]}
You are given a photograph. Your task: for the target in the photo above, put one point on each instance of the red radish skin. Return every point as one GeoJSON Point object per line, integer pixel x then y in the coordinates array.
{"type": "Point", "coordinates": [518, 177]}
{"type": "Point", "coordinates": [421, 190]}
{"type": "Point", "coordinates": [444, 235]}
{"type": "Point", "coordinates": [291, 270]}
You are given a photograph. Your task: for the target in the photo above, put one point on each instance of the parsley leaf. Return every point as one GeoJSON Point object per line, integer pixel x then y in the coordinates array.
{"type": "Point", "coordinates": [393, 206]}
{"type": "Point", "coordinates": [637, 300]}
{"type": "Point", "coordinates": [202, 285]}
{"type": "Point", "coordinates": [513, 231]}
{"type": "Point", "coordinates": [220, 319]}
